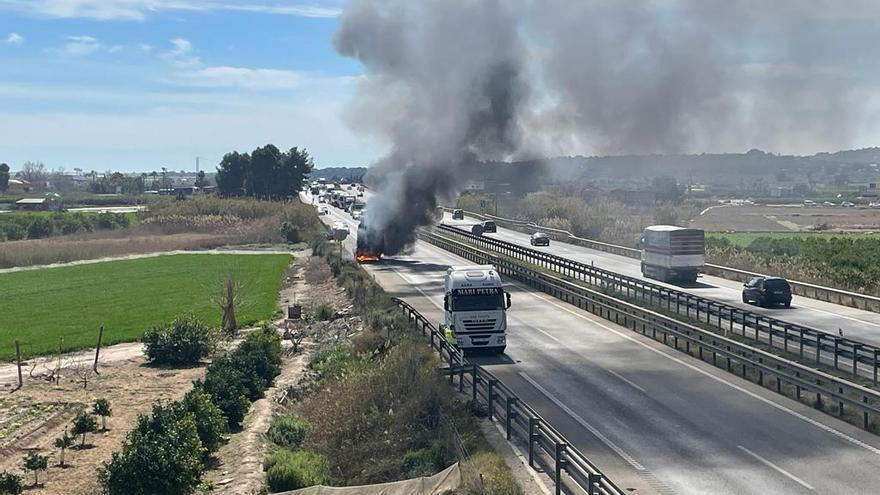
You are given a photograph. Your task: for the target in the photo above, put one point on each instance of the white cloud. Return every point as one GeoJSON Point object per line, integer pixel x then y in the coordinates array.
{"type": "Point", "coordinates": [141, 9]}
{"type": "Point", "coordinates": [146, 48]}
{"type": "Point", "coordinates": [242, 77]}
{"type": "Point", "coordinates": [181, 54]}
{"type": "Point", "coordinates": [80, 45]}
{"type": "Point", "coordinates": [14, 39]}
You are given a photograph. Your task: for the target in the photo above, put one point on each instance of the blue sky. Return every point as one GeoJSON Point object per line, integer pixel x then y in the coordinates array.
{"type": "Point", "coordinates": [141, 84]}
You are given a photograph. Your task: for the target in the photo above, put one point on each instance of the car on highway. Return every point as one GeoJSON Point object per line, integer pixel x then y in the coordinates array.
{"type": "Point", "coordinates": [357, 214]}
{"type": "Point", "coordinates": [765, 291]}
{"type": "Point", "coordinates": [489, 226]}
{"type": "Point", "coordinates": [323, 210]}
{"type": "Point", "coordinates": [847, 204]}
{"type": "Point", "coordinates": [539, 239]}
{"type": "Point", "coordinates": [458, 214]}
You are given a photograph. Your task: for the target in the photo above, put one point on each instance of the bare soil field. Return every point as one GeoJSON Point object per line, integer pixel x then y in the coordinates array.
{"type": "Point", "coordinates": [747, 218]}
{"type": "Point", "coordinates": [31, 418]}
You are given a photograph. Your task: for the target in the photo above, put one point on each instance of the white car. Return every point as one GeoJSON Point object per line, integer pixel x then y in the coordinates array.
{"type": "Point", "coordinates": [357, 214]}
{"type": "Point", "coordinates": [323, 210]}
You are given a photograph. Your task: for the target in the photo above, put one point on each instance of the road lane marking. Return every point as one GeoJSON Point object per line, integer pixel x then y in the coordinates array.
{"type": "Point", "coordinates": [777, 469]}
{"type": "Point", "coordinates": [718, 379]}
{"type": "Point", "coordinates": [627, 381]}
{"type": "Point", "coordinates": [611, 445]}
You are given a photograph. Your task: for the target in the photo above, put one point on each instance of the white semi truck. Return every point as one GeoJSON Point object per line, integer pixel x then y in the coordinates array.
{"type": "Point", "coordinates": [671, 253]}
{"type": "Point", "coordinates": [474, 308]}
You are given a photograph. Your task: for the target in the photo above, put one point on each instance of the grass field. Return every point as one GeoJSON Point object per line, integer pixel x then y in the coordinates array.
{"type": "Point", "coordinates": [744, 239]}
{"type": "Point", "coordinates": [38, 307]}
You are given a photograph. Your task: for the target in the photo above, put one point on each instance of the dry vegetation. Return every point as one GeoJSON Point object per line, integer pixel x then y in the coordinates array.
{"type": "Point", "coordinates": [169, 225]}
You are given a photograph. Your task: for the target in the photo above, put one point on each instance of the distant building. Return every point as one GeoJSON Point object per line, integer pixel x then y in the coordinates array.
{"type": "Point", "coordinates": [37, 204]}
{"type": "Point", "coordinates": [18, 186]}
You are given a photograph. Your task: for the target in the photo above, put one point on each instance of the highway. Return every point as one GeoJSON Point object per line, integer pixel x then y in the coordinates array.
{"type": "Point", "coordinates": [654, 419]}
{"type": "Point", "coordinates": [855, 323]}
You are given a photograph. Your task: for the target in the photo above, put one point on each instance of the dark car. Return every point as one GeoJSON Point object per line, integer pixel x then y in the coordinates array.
{"type": "Point", "coordinates": [765, 291]}
{"type": "Point", "coordinates": [539, 239]}
{"type": "Point", "coordinates": [458, 214]}
{"type": "Point", "coordinates": [489, 226]}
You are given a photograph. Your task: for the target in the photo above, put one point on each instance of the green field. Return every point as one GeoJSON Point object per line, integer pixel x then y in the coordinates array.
{"type": "Point", "coordinates": [744, 239]}
{"type": "Point", "coordinates": [39, 306]}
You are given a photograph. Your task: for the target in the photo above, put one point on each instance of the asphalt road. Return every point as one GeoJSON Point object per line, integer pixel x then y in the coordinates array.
{"type": "Point", "coordinates": [654, 419]}
{"type": "Point", "coordinates": [856, 324]}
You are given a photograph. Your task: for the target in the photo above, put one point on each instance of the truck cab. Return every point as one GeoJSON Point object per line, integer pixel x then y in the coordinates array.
{"type": "Point", "coordinates": [475, 308]}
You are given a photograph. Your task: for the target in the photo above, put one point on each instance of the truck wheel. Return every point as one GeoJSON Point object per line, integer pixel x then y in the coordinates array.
{"type": "Point", "coordinates": [745, 299]}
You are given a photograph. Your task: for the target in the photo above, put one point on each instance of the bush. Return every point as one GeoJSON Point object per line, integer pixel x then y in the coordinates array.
{"type": "Point", "coordinates": [161, 456]}
{"type": "Point", "coordinates": [322, 312]}
{"type": "Point", "coordinates": [290, 232]}
{"type": "Point", "coordinates": [84, 423]}
{"type": "Point", "coordinates": [40, 227]}
{"type": "Point", "coordinates": [494, 474]}
{"type": "Point", "coordinates": [286, 470]}
{"type": "Point", "coordinates": [259, 359]}
{"type": "Point", "coordinates": [14, 232]}
{"type": "Point", "coordinates": [210, 423]}
{"type": "Point", "coordinates": [424, 462]}
{"type": "Point", "coordinates": [185, 341]}
{"type": "Point", "coordinates": [224, 383]}
{"type": "Point", "coordinates": [10, 483]}
{"type": "Point", "coordinates": [288, 431]}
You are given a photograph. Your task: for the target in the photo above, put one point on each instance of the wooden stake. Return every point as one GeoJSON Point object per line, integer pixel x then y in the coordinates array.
{"type": "Point", "coordinates": [98, 349]}
{"type": "Point", "coordinates": [18, 360]}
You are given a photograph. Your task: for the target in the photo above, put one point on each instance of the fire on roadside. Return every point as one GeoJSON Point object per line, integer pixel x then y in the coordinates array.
{"type": "Point", "coordinates": [366, 256]}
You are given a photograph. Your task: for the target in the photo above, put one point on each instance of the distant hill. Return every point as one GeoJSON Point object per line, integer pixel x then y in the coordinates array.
{"type": "Point", "coordinates": [336, 173]}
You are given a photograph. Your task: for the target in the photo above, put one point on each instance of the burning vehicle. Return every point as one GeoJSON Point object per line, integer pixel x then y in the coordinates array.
{"type": "Point", "coordinates": [370, 244]}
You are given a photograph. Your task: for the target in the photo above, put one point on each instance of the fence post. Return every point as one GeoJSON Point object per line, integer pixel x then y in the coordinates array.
{"type": "Point", "coordinates": [593, 480]}
{"type": "Point", "coordinates": [490, 397]}
{"type": "Point", "coordinates": [856, 349]}
{"type": "Point", "coordinates": [533, 437]}
{"type": "Point", "coordinates": [559, 459]}
{"type": "Point", "coordinates": [474, 379]}
{"type": "Point", "coordinates": [18, 363]}
{"type": "Point", "coordinates": [511, 401]}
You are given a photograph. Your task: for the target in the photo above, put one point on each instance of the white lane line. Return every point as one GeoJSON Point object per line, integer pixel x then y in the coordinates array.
{"type": "Point", "coordinates": [611, 445]}
{"type": "Point", "coordinates": [777, 469]}
{"type": "Point", "coordinates": [627, 381]}
{"type": "Point", "coordinates": [718, 379]}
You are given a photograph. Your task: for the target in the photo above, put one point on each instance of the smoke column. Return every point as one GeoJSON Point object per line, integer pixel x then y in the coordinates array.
{"type": "Point", "coordinates": [448, 83]}
{"type": "Point", "coordinates": [444, 85]}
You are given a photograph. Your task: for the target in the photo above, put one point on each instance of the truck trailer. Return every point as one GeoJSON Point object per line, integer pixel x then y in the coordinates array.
{"type": "Point", "coordinates": [475, 308]}
{"type": "Point", "coordinates": [671, 253]}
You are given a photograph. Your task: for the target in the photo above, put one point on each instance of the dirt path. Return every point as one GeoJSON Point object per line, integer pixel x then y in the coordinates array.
{"type": "Point", "coordinates": [148, 255]}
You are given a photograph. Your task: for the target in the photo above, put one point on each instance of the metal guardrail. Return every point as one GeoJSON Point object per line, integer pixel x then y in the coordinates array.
{"type": "Point", "coordinates": [829, 294]}
{"type": "Point", "coordinates": [683, 336]}
{"type": "Point", "coordinates": [809, 343]}
{"type": "Point", "coordinates": [546, 445]}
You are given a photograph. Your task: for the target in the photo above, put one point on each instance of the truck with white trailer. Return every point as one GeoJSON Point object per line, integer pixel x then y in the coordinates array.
{"type": "Point", "coordinates": [475, 308]}
{"type": "Point", "coordinates": [671, 253]}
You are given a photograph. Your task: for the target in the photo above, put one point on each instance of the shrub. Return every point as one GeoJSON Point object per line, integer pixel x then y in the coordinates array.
{"type": "Point", "coordinates": [36, 463]}
{"type": "Point", "coordinates": [84, 423]}
{"type": "Point", "coordinates": [102, 408]}
{"type": "Point", "coordinates": [40, 227]}
{"type": "Point", "coordinates": [186, 340]}
{"type": "Point", "coordinates": [424, 462]}
{"type": "Point", "coordinates": [210, 423]}
{"type": "Point", "coordinates": [288, 431]}
{"type": "Point", "coordinates": [493, 472]}
{"type": "Point", "coordinates": [10, 483]}
{"type": "Point", "coordinates": [286, 470]}
{"type": "Point", "coordinates": [259, 359]}
{"type": "Point", "coordinates": [322, 312]}
{"type": "Point", "coordinates": [224, 383]}
{"type": "Point", "coordinates": [14, 232]}
{"type": "Point", "coordinates": [161, 456]}
{"type": "Point", "coordinates": [290, 232]}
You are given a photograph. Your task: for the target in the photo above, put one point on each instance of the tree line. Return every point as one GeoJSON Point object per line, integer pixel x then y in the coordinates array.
{"type": "Point", "coordinates": [266, 172]}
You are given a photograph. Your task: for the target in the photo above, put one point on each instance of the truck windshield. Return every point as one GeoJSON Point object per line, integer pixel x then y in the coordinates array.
{"type": "Point", "coordinates": [478, 302]}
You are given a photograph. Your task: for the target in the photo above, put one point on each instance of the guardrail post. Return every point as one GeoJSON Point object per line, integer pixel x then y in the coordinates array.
{"type": "Point", "coordinates": [451, 365]}
{"type": "Point", "coordinates": [474, 380]}
{"type": "Point", "coordinates": [818, 346]}
{"type": "Point", "coordinates": [876, 352]}
{"type": "Point", "coordinates": [840, 403]}
{"type": "Point", "coordinates": [797, 388]}
{"type": "Point", "coordinates": [534, 426]}
{"type": "Point", "coordinates": [836, 349]}
{"type": "Point", "coordinates": [592, 481]}
{"type": "Point", "coordinates": [865, 414]}
{"type": "Point", "coordinates": [511, 401]}
{"type": "Point", "coordinates": [801, 340]}
{"type": "Point", "coordinates": [785, 336]}
{"type": "Point", "coordinates": [778, 380]}
{"type": "Point", "coordinates": [461, 378]}
{"type": "Point", "coordinates": [490, 397]}
{"type": "Point", "coordinates": [559, 459]}
{"type": "Point", "coordinates": [770, 333]}
{"type": "Point", "coordinates": [856, 348]}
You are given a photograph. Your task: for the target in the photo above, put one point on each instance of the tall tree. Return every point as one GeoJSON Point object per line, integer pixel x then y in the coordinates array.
{"type": "Point", "coordinates": [296, 164]}
{"type": "Point", "coordinates": [4, 177]}
{"type": "Point", "coordinates": [34, 172]}
{"type": "Point", "coordinates": [667, 189]}
{"type": "Point", "coordinates": [201, 180]}
{"type": "Point", "coordinates": [231, 174]}
{"type": "Point", "coordinates": [261, 177]}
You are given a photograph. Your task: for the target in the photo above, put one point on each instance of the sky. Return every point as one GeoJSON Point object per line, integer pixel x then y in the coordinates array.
{"type": "Point", "coordinates": [137, 85]}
